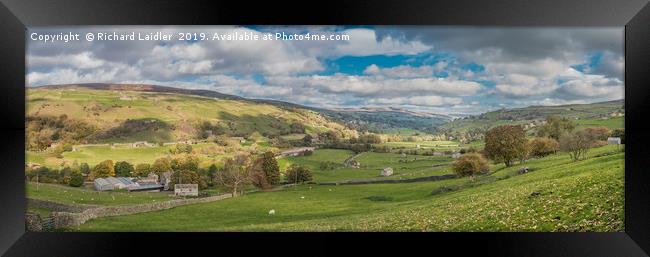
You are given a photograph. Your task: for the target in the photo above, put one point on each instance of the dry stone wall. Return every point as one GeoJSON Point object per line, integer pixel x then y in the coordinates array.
{"type": "Point", "coordinates": [76, 217]}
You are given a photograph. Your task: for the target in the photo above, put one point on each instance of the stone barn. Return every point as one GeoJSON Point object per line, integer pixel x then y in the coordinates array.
{"type": "Point", "coordinates": [113, 183]}
{"type": "Point", "coordinates": [103, 185]}
{"type": "Point", "coordinates": [388, 171]}
{"type": "Point", "coordinates": [186, 189]}
{"type": "Point", "coordinates": [165, 178]}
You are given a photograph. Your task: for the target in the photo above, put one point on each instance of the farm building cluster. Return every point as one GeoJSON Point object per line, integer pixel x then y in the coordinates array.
{"type": "Point", "coordinates": [149, 183]}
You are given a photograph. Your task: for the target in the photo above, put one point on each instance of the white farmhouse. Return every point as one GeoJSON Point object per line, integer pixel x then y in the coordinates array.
{"type": "Point", "coordinates": [613, 140]}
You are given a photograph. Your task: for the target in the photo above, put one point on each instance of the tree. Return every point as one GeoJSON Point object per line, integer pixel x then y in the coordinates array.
{"type": "Point", "coordinates": [123, 169]}
{"type": "Point", "coordinates": [297, 128]}
{"type": "Point", "coordinates": [297, 174]}
{"type": "Point", "coordinates": [598, 133]}
{"type": "Point", "coordinates": [103, 169]}
{"type": "Point", "coordinates": [76, 179]}
{"type": "Point", "coordinates": [524, 151]}
{"type": "Point", "coordinates": [555, 127]}
{"type": "Point", "coordinates": [161, 166]}
{"type": "Point", "coordinates": [258, 178]}
{"type": "Point", "coordinates": [265, 171]}
{"type": "Point", "coordinates": [505, 144]}
{"type": "Point", "coordinates": [307, 139]}
{"type": "Point", "coordinates": [142, 170]}
{"type": "Point", "coordinates": [470, 164]}
{"type": "Point", "coordinates": [65, 174]}
{"type": "Point", "coordinates": [84, 168]}
{"type": "Point", "coordinates": [370, 139]}
{"type": "Point", "coordinates": [235, 174]}
{"type": "Point", "coordinates": [542, 146]}
{"type": "Point", "coordinates": [212, 173]}
{"type": "Point", "coordinates": [181, 148]}
{"type": "Point", "coordinates": [187, 177]}
{"type": "Point", "coordinates": [185, 162]}
{"type": "Point", "coordinates": [577, 144]}
{"type": "Point", "coordinates": [329, 137]}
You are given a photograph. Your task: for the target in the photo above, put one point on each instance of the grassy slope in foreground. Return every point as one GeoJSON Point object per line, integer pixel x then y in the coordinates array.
{"type": "Point", "coordinates": [572, 196]}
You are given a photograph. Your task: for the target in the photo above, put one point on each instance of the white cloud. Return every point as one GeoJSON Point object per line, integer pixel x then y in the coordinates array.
{"type": "Point", "coordinates": [592, 87]}
{"type": "Point", "coordinates": [83, 60]}
{"type": "Point", "coordinates": [519, 85]}
{"type": "Point", "coordinates": [113, 74]}
{"type": "Point", "coordinates": [364, 86]}
{"type": "Point", "coordinates": [364, 42]}
{"type": "Point", "coordinates": [611, 65]}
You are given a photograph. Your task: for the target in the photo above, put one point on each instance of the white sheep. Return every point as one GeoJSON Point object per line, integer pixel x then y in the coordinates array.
{"type": "Point", "coordinates": [271, 212]}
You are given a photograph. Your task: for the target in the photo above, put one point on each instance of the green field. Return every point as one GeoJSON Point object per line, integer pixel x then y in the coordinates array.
{"type": "Point", "coordinates": [95, 154]}
{"type": "Point", "coordinates": [558, 195]}
{"type": "Point", "coordinates": [371, 165]}
{"type": "Point", "coordinates": [610, 123]}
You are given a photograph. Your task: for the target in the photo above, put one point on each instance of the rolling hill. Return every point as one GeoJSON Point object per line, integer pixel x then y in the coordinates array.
{"type": "Point", "coordinates": [373, 119]}
{"type": "Point", "coordinates": [127, 113]}
{"type": "Point", "coordinates": [608, 114]}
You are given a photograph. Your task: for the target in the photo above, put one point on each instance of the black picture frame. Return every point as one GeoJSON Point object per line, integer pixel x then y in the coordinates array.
{"type": "Point", "coordinates": [16, 15]}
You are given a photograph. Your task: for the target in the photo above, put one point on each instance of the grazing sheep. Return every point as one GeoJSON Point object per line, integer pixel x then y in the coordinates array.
{"type": "Point", "coordinates": [523, 170]}
{"type": "Point", "coordinates": [271, 212]}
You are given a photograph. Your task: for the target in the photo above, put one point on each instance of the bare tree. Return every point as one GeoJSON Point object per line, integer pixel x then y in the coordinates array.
{"type": "Point", "coordinates": [577, 144]}
{"type": "Point", "coordinates": [236, 174]}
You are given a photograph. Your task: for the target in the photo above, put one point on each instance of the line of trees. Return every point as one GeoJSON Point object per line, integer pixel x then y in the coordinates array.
{"type": "Point", "coordinates": [237, 172]}
{"type": "Point", "coordinates": [262, 172]}
{"type": "Point", "coordinates": [69, 175]}
{"type": "Point", "coordinates": [508, 143]}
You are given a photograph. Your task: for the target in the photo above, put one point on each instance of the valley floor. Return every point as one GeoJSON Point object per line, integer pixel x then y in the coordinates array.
{"type": "Point", "coordinates": [557, 195]}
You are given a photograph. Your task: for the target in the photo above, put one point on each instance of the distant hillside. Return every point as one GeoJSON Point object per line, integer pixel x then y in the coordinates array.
{"type": "Point", "coordinates": [379, 119]}
{"type": "Point", "coordinates": [373, 119]}
{"type": "Point", "coordinates": [127, 113]}
{"type": "Point", "coordinates": [609, 114]}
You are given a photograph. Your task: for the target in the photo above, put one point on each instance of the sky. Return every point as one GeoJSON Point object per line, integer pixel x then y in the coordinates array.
{"type": "Point", "coordinates": [445, 70]}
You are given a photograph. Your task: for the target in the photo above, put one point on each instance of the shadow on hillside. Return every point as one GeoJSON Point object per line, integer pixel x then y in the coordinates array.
{"type": "Point", "coordinates": [147, 129]}
{"type": "Point", "coordinates": [264, 124]}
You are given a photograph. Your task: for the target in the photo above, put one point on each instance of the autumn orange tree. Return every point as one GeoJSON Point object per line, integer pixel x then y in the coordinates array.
{"type": "Point", "coordinates": [470, 164]}
{"type": "Point", "coordinates": [542, 146]}
{"type": "Point", "coordinates": [103, 170]}
{"type": "Point", "coordinates": [506, 144]}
